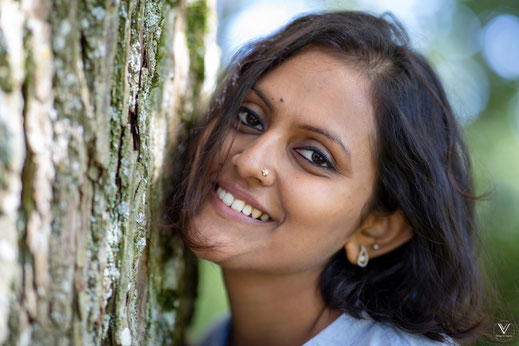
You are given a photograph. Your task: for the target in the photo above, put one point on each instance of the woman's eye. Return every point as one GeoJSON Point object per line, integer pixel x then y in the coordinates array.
{"type": "Point", "coordinates": [250, 119]}
{"type": "Point", "coordinates": [315, 157]}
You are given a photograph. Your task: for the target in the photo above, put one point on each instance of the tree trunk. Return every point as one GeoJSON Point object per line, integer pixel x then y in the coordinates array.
{"type": "Point", "coordinates": [92, 94]}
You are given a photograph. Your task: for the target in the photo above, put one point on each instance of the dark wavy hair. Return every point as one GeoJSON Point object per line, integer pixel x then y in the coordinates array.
{"type": "Point", "coordinates": [432, 284]}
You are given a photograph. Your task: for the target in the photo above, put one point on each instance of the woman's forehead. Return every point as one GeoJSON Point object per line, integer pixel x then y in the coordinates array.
{"type": "Point", "coordinates": [318, 86]}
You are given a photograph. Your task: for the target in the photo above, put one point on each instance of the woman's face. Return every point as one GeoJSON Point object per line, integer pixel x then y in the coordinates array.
{"type": "Point", "coordinates": [309, 123]}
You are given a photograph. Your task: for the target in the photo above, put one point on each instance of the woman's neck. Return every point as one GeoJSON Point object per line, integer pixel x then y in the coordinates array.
{"type": "Point", "coordinates": [275, 309]}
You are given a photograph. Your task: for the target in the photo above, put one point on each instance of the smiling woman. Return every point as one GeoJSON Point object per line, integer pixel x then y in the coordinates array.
{"type": "Point", "coordinates": [312, 198]}
{"type": "Point", "coordinates": [330, 182]}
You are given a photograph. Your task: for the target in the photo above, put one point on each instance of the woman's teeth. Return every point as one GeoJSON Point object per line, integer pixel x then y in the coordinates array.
{"type": "Point", "coordinates": [239, 205]}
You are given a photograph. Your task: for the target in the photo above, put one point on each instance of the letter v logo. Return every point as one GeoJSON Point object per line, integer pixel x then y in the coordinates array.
{"type": "Point", "coordinates": [503, 328]}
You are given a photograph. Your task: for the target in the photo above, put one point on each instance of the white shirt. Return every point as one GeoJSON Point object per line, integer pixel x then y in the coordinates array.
{"type": "Point", "coordinates": [344, 331]}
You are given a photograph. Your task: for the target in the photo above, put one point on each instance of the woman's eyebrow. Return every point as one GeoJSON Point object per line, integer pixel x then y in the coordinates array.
{"type": "Point", "coordinates": [331, 136]}
{"type": "Point", "coordinates": [263, 97]}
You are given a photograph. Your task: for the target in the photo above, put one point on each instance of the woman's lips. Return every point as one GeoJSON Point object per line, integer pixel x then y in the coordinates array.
{"type": "Point", "coordinates": [237, 209]}
{"type": "Point", "coordinates": [239, 205]}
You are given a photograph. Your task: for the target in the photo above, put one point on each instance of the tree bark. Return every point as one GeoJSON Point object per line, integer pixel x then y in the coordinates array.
{"type": "Point", "coordinates": [92, 94]}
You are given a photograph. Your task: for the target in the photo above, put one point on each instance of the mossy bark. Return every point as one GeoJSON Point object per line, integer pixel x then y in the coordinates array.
{"type": "Point", "coordinates": [92, 95]}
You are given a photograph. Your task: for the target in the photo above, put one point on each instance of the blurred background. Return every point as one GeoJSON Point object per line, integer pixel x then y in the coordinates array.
{"type": "Point", "coordinates": [474, 46]}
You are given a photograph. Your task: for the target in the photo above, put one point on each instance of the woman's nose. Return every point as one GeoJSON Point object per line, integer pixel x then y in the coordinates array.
{"type": "Point", "coordinates": [255, 161]}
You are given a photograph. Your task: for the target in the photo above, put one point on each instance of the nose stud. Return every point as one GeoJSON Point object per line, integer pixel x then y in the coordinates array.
{"type": "Point", "coordinates": [265, 172]}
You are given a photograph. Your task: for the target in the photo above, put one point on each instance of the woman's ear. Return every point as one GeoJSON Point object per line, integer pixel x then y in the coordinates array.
{"type": "Point", "coordinates": [379, 234]}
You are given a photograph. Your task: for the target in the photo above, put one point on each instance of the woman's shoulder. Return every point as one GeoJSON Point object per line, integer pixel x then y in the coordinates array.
{"type": "Point", "coordinates": [346, 330]}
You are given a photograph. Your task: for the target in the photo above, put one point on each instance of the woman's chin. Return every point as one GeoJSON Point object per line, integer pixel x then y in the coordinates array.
{"type": "Point", "coordinates": [209, 248]}
{"type": "Point", "coordinates": [209, 254]}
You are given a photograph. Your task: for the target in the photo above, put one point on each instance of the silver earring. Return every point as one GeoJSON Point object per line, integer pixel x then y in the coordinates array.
{"type": "Point", "coordinates": [363, 259]}
{"type": "Point", "coordinates": [375, 246]}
